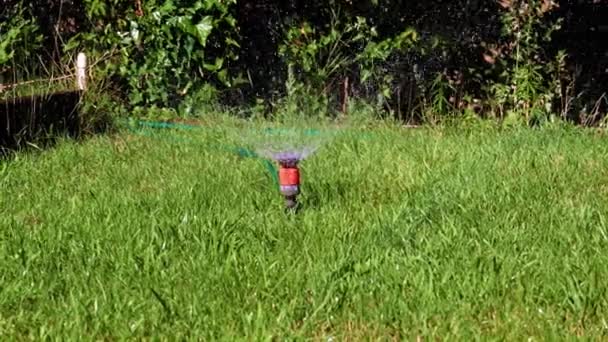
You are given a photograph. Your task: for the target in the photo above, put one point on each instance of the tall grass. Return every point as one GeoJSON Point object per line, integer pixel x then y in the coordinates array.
{"type": "Point", "coordinates": [404, 233]}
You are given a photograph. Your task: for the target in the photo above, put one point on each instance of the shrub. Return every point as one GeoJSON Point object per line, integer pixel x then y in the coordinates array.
{"type": "Point", "coordinates": [19, 38]}
{"type": "Point", "coordinates": [162, 52]}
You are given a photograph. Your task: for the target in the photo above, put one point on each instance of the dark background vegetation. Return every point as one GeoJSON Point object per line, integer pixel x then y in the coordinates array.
{"type": "Point", "coordinates": [257, 71]}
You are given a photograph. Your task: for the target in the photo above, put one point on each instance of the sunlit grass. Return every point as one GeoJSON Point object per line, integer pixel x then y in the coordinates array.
{"type": "Point", "coordinates": [403, 233]}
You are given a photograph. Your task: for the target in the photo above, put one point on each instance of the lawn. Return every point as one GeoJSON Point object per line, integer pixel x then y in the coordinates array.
{"type": "Point", "coordinates": [404, 233]}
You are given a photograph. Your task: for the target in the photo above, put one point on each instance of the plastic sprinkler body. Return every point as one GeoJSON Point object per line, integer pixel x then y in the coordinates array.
{"type": "Point", "coordinates": [289, 181]}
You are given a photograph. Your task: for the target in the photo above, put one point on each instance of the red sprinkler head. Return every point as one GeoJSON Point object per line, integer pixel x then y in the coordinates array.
{"type": "Point", "coordinates": [289, 173]}
{"type": "Point", "coordinates": [289, 181]}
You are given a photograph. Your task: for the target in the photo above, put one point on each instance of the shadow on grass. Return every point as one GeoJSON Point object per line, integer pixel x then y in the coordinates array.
{"type": "Point", "coordinates": [38, 120]}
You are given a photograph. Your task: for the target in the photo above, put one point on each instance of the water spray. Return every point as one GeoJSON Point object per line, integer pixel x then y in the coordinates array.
{"type": "Point", "coordinates": [288, 148]}
{"type": "Point", "coordinates": [283, 146]}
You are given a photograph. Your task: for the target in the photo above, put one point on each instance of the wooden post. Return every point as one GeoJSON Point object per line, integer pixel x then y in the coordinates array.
{"type": "Point", "coordinates": [81, 71]}
{"type": "Point", "coordinates": [344, 96]}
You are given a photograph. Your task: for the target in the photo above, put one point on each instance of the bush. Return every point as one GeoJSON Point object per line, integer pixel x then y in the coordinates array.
{"type": "Point", "coordinates": [418, 61]}
{"type": "Point", "coordinates": [527, 83]}
{"type": "Point", "coordinates": [160, 55]}
{"type": "Point", "coordinates": [19, 39]}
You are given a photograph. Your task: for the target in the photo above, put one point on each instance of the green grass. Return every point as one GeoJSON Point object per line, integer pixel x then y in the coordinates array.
{"type": "Point", "coordinates": [462, 233]}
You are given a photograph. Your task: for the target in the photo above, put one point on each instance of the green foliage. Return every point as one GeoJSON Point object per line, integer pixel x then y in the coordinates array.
{"type": "Point", "coordinates": [436, 105]}
{"type": "Point", "coordinates": [19, 37]}
{"type": "Point", "coordinates": [376, 53]}
{"type": "Point", "coordinates": [168, 57]}
{"type": "Point", "coordinates": [322, 56]}
{"type": "Point", "coordinates": [168, 52]}
{"type": "Point", "coordinates": [349, 46]}
{"type": "Point", "coordinates": [373, 59]}
{"type": "Point", "coordinates": [527, 87]}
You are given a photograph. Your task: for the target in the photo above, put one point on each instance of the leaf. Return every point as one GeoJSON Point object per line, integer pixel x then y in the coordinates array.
{"type": "Point", "coordinates": [231, 21]}
{"type": "Point", "coordinates": [219, 62]}
{"type": "Point", "coordinates": [200, 31]}
{"type": "Point", "coordinates": [197, 6]}
{"type": "Point", "coordinates": [230, 41]}
{"type": "Point", "coordinates": [365, 74]}
{"type": "Point", "coordinates": [223, 77]}
{"type": "Point", "coordinates": [72, 43]}
{"type": "Point", "coordinates": [135, 34]}
{"type": "Point", "coordinates": [168, 7]}
{"type": "Point", "coordinates": [96, 9]}
{"type": "Point", "coordinates": [203, 29]}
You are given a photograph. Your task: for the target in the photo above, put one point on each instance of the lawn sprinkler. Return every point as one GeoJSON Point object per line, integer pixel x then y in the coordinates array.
{"type": "Point", "coordinates": [289, 181]}
{"type": "Point", "coordinates": [289, 172]}
{"type": "Point", "coordinates": [287, 148]}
